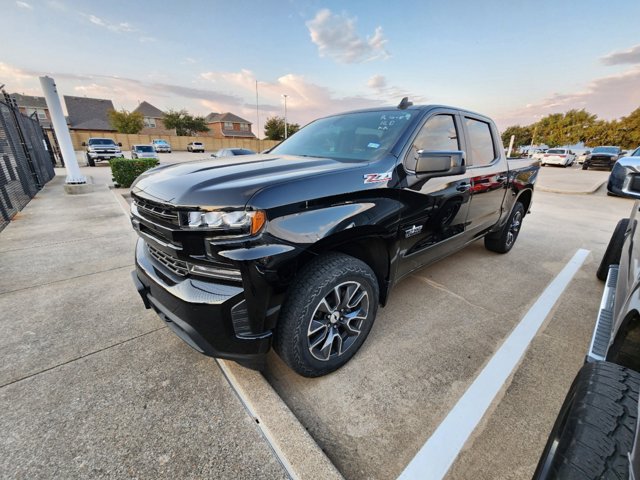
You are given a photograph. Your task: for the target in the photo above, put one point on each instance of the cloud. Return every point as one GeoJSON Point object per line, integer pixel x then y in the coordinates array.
{"type": "Point", "coordinates": [121, 27]}
{"type": "Point", "coordinates": [631, 56]}
{"type": "Point", "coordinates": [392, 94]}
{"type": "Point", "coordinates": [377, 82]}
{"type": "Point", "coordinates": [608, 97]}
{"type": "Point", "coordinates": [336, 37]}
{"type": "Point", "coordinates": [24, 5]}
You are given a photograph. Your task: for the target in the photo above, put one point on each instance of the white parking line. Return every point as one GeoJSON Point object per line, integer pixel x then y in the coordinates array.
{"type": "Point", "coordinates": [437, 455]}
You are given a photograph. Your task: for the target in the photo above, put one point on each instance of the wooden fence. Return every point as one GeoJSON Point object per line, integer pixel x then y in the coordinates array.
{"type": "Point", "coordinates": [177, 143]}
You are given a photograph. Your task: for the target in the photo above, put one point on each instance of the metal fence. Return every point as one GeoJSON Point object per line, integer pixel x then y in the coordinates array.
{"type": "Point", "coordinates": [25, 163]}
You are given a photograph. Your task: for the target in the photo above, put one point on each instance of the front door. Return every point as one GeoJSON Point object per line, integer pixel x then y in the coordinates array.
{"type": "Point", "coordinates": [435, 211]}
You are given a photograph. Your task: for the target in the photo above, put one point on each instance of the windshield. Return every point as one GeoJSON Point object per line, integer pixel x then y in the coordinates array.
{"type": "Point", "coordinates": [636, 152]}
{"type": "Point", "coordinates": [144, 148]}
{"type": "Point", "coordinates": [162, 142]}
{"type": "Point", "coordinates": [557, 151]}
{"type": "Point", "coordinates": [353, 136]}
{"type": "Point", "coordinates": [605, 150]}
{"type": "Point", "coordinates": [101, 141]}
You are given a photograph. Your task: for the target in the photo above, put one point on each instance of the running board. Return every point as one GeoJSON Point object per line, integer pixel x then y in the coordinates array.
{"type": "Point", "coordinates": [602, 333]}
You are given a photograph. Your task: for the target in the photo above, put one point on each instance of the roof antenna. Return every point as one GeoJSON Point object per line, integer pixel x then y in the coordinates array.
{"type": "Point", "coordinates": [404, 103]}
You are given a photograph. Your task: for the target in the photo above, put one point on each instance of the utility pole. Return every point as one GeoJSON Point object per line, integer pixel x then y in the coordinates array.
{"type": "Point", "coordinates": [62, 132]}
{"type": "Point", "coordinates": [285, 116]}
{"type": "Point", "coordinates": [257, 116]}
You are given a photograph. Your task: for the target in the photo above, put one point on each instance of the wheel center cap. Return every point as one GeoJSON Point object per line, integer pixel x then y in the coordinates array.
{"type": "Point", "coordinates": [335, 316]}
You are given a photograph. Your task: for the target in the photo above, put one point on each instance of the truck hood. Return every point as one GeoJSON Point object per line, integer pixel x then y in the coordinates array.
{"type": "Point", "coordinates": [232, 181]}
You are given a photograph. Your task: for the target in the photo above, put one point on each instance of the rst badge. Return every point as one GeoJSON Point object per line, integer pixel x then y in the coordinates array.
{"type": "Point", "coordinates": [414, 230]}
{"type": "Point", "coordinates": [377, 177]}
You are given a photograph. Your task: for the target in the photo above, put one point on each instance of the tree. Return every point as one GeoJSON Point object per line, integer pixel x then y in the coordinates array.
{"type": "Point", "coordinates": [184, 123]}
{"type": "Point", "coordinates": [274, 128]}
{"type": "Point", "coordinates": [523, 136]}
{"type": "Point", "coordinates": [126, 122]}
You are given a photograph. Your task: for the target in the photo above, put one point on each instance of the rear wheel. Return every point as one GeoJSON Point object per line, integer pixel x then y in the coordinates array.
{"type": "Point", "coordinates": [328, 314]}
{"type": "Point", "coordinates": [614, 249]}
{"type": "Point", "coordinates": [503, 240]}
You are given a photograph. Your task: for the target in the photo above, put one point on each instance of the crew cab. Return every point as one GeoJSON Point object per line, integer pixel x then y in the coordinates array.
{"type": "Point", "coordinates": [596, 432]}
{"type": "Point", "coordinates": [558, 156]}
{"type": "Point", "coordinates": [299, 247]}
{"type": "Point", "coordinates": [102, 149]}
{"type": "Point", "coordinates": [603, 157]}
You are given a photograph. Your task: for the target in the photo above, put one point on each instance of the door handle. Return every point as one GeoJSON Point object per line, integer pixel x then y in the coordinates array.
{"type": "Point", "coordinates": [463, 187]}
{"type": "Point", "coordinates": [501, 178]}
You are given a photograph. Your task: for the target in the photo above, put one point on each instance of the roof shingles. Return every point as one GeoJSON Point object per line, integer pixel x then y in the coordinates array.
{"type": "Point", "coordinates": [88, 113]}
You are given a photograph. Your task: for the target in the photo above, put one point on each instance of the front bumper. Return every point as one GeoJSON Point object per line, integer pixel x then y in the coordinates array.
{"type": "Point", "coordinates": [104, 156]}
{"type": "Point", "coordinates": [206, 315]}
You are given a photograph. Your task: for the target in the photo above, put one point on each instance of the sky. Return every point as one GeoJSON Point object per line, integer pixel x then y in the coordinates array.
{"type": "Point", "coordinates": [513, 60]}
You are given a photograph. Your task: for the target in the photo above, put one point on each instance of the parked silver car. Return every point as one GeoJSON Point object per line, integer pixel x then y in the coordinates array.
{"type": "Point", "coordinates": [595, 434]}
{"type": "Point", "coordinates": [143, 151]}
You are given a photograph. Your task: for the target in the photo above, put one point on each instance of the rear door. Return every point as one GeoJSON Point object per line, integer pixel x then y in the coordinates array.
{"type": "Point", "coordinates": [488, 171]}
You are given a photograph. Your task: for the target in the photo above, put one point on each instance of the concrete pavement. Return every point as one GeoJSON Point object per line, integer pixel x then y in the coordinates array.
{"type": "Point", "coordinates": [91, 384]}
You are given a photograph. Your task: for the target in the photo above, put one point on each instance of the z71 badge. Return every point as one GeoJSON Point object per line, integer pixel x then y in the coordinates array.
{"type": "Point", "coordinates": [377, 177]}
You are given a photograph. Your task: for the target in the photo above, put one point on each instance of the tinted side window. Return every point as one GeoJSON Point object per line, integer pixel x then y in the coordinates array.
{"type": "Point", "coordinates": [480, 142]}
{"type": "Point", "coordinates": [439, 133]}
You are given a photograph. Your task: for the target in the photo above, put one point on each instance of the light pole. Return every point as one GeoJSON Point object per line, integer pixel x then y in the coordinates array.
{"type": "Point", "coordinates": [285, 115]}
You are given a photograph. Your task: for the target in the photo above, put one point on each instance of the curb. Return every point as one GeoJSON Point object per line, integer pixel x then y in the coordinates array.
{"type": "Point", "coordinates": [298, 452]}
{"type": "Point", "coordinates": [592, 190]}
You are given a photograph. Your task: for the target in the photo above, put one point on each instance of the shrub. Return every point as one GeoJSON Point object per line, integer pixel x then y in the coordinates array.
{"type": "Point", "coordinates": [125, 171]}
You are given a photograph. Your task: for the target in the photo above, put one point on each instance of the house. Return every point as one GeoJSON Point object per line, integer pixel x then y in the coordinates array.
{"type": "Point", "coordinates": [228, 125]}
{"type": "Point", "coordinates": [153, 120]}
{"type": "Point", "coordinates": [88, 113]}
{"type": "Point", "coordinates": [36, 106]}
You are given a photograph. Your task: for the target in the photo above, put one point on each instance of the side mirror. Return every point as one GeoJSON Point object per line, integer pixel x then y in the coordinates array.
{"type": "Point", "coordinates": [119, 144]}
{"type": "Point", "coordinates": [84, 144]}
{"type": "Point", "coordinates": [440, 163]}
{"type": "Point", "coordinates": [623, 153]}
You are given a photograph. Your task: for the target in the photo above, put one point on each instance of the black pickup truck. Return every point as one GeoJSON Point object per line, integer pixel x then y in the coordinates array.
{"type": "Point", "coordinates": [298, 247]}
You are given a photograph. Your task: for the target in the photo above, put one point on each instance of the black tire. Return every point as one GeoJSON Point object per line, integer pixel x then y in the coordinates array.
{"type": "Point", "coordinates": [308, 318]}
{"type": "Point", "coordinates": [595, 429]}
{"type": "Point", "coordinates": [90, 161]}
{"type": "Point", "coordinates": [503, 240]}
{"type": "Point", "coordinates": [585, 166]}
{"type": "Point", "coordinates": [614, 249]}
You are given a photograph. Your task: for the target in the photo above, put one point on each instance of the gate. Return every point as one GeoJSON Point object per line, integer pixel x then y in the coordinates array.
{"type": "Point", "coordinates": [25, 163]}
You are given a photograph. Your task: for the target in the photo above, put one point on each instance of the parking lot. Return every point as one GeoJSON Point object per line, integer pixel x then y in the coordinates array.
{"type": "Point", "coordinates": [440, 328]}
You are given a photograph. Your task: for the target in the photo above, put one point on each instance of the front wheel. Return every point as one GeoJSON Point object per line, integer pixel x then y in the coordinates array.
{"type": "Point", "coordinates": [503, 240]}
{"type": "Point", "coordinates": [585, 166]}
{"type": "Point", "coordinates": [328, 313]}
{"type": "Point", "coordinates": [90, 161]}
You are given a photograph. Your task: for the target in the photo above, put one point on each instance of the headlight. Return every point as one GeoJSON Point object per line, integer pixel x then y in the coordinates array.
{"type": "Point", "coordinates": [241, 222]}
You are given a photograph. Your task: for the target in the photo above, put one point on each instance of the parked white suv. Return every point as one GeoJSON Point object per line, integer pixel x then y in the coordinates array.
{"type": "Point", "coordinates": [558, 156]}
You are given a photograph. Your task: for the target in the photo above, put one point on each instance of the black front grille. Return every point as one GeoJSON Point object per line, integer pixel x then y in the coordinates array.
{"type": "Point", "coordinates": [176, 266]}
{"type": "Point", "coordinates": [157, 211]}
